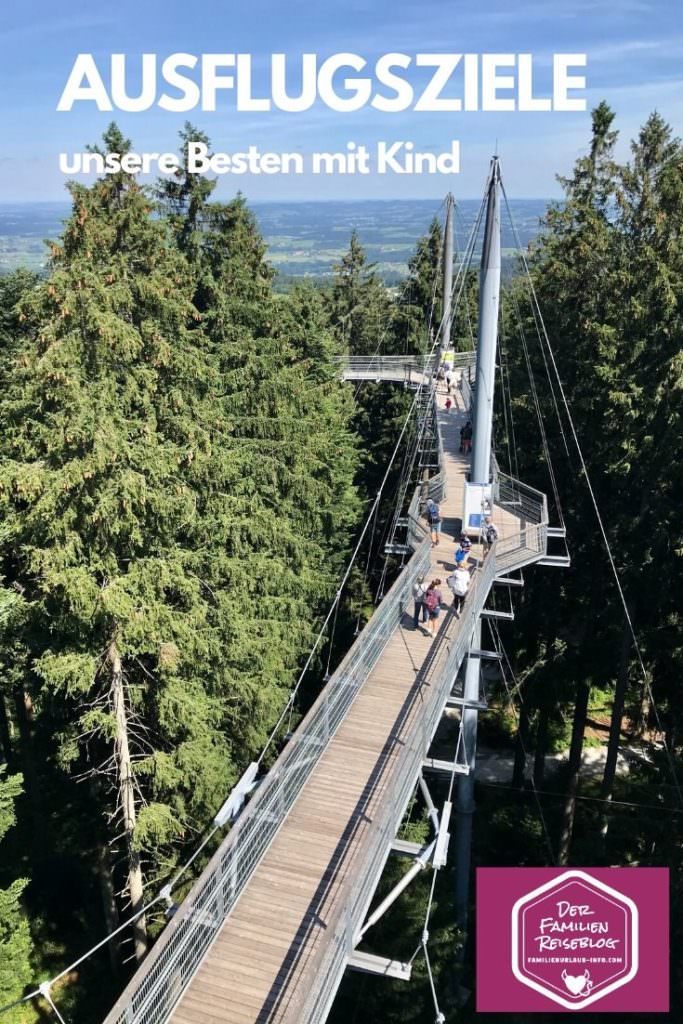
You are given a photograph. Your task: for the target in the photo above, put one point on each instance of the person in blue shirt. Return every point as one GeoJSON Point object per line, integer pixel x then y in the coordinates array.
{"type": "Point", "coordinates": [463, 551]}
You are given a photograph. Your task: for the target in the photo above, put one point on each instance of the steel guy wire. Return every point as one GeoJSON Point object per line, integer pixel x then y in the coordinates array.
{"type": "Point", "coordinates": [536, 314]}
{"type": "Point", "coordinates": [537, 407]}
{"type": "Point", "coordinates": [498, 644]}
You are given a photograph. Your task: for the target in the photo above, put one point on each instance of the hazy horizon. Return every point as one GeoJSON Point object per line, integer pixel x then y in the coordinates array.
{"type": "Point", "coordinates": [304, 202]}
{"type": "Point", "coordinates": [304, 238]}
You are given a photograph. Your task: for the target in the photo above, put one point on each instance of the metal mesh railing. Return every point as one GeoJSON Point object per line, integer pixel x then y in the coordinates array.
{"type": "Point", "coordinates": [530, 509]}
{"type": "Point", "coordinates": [393, 368]}
{"type": "Point", "coordinates": [466, 392]}
{"type": "Point", "coordinates": [519, 499]}
{"type": "Point", "coordinates": [401, 368]}
{"type": "Point", "coordinates": [529, 545]}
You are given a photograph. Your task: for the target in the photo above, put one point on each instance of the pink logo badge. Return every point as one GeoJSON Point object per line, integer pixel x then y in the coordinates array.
{"type": "Point", "coordinates": [572, 938]}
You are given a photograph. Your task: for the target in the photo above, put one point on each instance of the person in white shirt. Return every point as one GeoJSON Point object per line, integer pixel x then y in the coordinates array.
{"type": "Point", "coordinates": [458, 582]}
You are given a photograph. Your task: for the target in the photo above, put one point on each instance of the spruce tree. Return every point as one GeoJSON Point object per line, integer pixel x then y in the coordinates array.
{"type": "Point", "coordinates": [420, 302]}
{"type": "Point", "coordinates": [607, 272]}
{"type": "Point", "coordinates": [576, 282]}
{"type": "Point", "coordinates": [15, 939]}
{"type": "Point", "coordinates": [359, 305]}
{"type": "Point", "coordinates": [649, 402]}
{"type": "Point", "coordinates": [284, 512]}
{"type": "Point", "coordinates": [12, 288]}
{"type": "Point", "coordinates": [106, 419]}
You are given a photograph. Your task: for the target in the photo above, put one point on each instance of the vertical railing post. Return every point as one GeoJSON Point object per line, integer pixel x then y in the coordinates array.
{"type": "Point", "coordinates": [281, 804]}
{"type": "Point", "coordinates": [233, 875]}
{"type": "Point", "coordinates": [349, 932]}
{"type": "Point", "coordinates": [220, 899]}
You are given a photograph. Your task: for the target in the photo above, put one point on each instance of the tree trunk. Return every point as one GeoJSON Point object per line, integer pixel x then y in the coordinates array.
{"type": "Point", "coordinates": [541, 746]}
{"type": "Point", "coordinates": [578, 730]}
{"type": "Point", "coordinates": [644, 715]}
{"type": "Point", "coordinates": [521, 746]}
{"type": "Point", "coordinates": [5, 734]}
{"type": "Point", "coordinates": [24, 716]}
{"type": "Point", "coordinates": [127, 800]}
{"type": "Point", "coordinates": [671, 733]}
{"type": "Point", "coordinates": [111, 914]}
{"type": "Point", "coordinates": [615, 722]}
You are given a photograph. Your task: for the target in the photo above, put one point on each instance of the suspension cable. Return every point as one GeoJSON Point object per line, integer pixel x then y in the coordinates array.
{"type": "Point", "coordinates": [537, 407]}
{"type": "Point", "coordinates": [535, 309]}
{"type": "Point", "coordinates": [508, 422]}
{"type": "Point", "coordinates": [45, 993]}
{"type": "Point", "coordinates": [500, 649]}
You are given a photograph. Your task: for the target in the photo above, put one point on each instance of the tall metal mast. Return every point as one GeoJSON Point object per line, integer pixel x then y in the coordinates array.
{"type": "Point", "coordinates": [445, 339]}
{"type": "Point", "coordinates": [489, 298]}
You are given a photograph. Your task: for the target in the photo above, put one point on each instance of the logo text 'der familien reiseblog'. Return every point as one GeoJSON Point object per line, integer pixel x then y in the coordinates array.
{"type": "Point", "coordinates": [568, 939]}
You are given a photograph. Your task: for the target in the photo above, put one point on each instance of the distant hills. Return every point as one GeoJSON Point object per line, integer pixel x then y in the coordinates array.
{"type": "Point", "coordinates": [304, 239]}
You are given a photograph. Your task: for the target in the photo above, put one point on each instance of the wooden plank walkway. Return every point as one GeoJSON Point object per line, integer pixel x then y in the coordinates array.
{"type": "Point", "coordinates": [261, 964]}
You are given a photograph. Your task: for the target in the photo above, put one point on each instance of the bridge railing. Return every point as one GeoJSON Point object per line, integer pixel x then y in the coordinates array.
{"type": "Point", "coordinates": [530, 508]}
{"type": "Point", "coordinates": [519, 499]}
{"type": "Point", "coordinates": [408, 367]}
{"type": "Point", "coordinates": [386, 367]}
{"type": "Point", "coordinates": [158, 985]}
{"type": "Point", "coordinates": [466, 392]}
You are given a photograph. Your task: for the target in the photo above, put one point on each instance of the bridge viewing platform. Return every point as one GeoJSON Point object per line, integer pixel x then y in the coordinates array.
{"type": "Point", "coordinates": [269, 927]}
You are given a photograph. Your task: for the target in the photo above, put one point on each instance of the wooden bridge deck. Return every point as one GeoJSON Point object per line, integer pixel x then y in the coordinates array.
{"type": "Point", "coordinates": [259, 967]}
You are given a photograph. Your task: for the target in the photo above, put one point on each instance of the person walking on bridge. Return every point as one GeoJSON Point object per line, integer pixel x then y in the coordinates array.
{"type": "Point", "coordinates": [419, 592]}
{"type": "Point", "coordinates": [490, 533]}
{"type": "Point", "coordinates": [462, 553]}
{"type": "Point", "coordinates": [458, 582]}
{"type": "Point", "coordinates": [433, 514]}
{"type": "Point", "coordinates": [433, 601]}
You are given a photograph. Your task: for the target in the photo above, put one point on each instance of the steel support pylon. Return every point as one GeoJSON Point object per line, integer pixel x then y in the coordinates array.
{"type": "Point", "coordinates": [447, 319]}
{"type": "Point", "coordinates": [489, 299]}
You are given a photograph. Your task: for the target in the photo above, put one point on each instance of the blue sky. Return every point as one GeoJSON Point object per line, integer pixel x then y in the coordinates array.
{"type": "Point", "coordinates": [634, 47]}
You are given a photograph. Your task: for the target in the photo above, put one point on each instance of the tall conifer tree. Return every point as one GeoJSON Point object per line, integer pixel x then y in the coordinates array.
{"type": "Point", "coordinates": [106, 423]}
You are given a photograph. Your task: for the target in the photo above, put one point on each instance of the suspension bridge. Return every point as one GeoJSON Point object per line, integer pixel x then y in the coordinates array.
{"type": "Point", "coordinates": [282, 908]}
